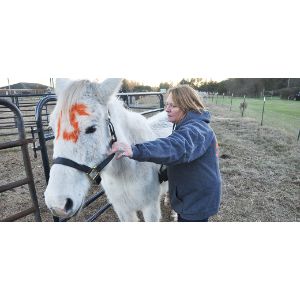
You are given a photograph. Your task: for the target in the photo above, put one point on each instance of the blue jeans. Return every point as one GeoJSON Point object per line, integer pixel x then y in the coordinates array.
{"type": "Point", "coordinates": [181, 219]}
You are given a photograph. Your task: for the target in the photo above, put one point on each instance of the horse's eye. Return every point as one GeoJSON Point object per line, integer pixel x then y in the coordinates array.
{"type": "Point", "coordinates": [91, 129]}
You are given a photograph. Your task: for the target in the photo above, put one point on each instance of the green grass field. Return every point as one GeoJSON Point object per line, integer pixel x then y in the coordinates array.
{"type": "Point", "coordinates": [283, 114]}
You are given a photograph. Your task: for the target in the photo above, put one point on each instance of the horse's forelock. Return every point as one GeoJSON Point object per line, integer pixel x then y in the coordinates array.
{"type": "Point", "coordinates": [73, 95]}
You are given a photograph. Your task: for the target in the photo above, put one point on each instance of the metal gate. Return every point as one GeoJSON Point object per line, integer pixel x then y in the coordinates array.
{"type": "Point", "coordinates": [23, 143]}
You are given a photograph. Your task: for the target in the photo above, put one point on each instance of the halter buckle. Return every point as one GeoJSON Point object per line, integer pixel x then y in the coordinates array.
{"type": "Point", "coordinates": [94, 175]}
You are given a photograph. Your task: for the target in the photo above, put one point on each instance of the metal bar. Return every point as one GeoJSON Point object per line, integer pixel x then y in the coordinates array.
{"type": "Point", "coordinates": [142, 107]}
{"type": "Point", "coordinates": [13, 144]}
{"type": "Point", "coordinates": [92, 198]}
{"type": "Point", "coordinates": [140, 94]}
{"type": "Point", "coordinates": [28, 104]}
{"type": "Point", "coordinates": [5, 111]}
{"type": "Point", "coordinates": [99, 212]}
{"type": "Point", "coordinates": [5, 118]}
{"type": "Point", "coordinates": [24, 116]}
{"type": "Point", "coordinates": [40, 132]}
{"type": "Point", "coordinates": [29, 110]}
{"type": "Point", "coordinates": [9, 134]}
{"type": "Point", "coordinates": [9, 186]}
{"type": "Point", "coordinates": [152, 111]}
{"type": "Point", "coordinates": [19, 215]}
{"type": "Point", "coordinates": [26, 95]}
{"type": "Point", "coordinates": [9, 125]}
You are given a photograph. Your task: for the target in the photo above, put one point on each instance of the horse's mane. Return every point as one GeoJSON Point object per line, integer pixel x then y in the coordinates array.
{"type": "Point", "coordinates": [74, 92]}
{"type": "Point", "coordinates": [136, 125]}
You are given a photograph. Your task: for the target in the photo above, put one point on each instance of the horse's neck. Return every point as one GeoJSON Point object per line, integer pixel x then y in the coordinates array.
{"type": "Point", "coordinates": [120, 119]}
{"type": "Point", "coordinates": [130, 127]}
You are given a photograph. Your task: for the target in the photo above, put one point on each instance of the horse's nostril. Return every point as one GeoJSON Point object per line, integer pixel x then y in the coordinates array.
{"type": "Point", "coordinates": [69, 204]}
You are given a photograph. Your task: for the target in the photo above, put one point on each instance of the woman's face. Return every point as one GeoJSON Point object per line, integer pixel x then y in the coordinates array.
{"type": "Point", "coordinates": [175, 114]}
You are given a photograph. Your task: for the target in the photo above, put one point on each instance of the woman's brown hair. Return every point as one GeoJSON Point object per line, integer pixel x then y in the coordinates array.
{"type": "Point", "coordinates": [186, 98]}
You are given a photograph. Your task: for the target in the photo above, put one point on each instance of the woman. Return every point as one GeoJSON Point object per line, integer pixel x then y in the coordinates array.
{"type": "Point", "coordinates": [191, 154]}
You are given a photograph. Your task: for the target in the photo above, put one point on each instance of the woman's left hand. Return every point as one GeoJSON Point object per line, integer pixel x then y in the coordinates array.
{"type": "Point", "coordinates": [121, 149]}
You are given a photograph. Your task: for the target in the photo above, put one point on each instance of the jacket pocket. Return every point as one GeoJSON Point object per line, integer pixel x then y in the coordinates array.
{"type": "Point", "coordinates": [176, 201]}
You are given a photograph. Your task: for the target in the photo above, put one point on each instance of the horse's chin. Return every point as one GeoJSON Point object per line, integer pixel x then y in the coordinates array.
{"type": "Point", "coordinates": [63, 215]}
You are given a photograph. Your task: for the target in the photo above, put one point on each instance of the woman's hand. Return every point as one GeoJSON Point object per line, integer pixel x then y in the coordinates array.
{"type": "Point", "coordinates": [121, 150]}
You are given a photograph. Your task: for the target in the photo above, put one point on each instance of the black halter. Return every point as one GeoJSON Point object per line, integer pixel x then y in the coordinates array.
{"type": "Point", "coordinates": [93, 173]}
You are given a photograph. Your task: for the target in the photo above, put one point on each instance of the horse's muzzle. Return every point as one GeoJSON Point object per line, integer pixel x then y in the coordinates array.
{"type": "Point", "coordinates": [63, 212]}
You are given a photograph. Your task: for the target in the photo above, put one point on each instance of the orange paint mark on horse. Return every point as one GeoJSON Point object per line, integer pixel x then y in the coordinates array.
{"type": "Point", "coordinates": [76, 109]}
{"type": "Point", "coordinates": [59, 125]}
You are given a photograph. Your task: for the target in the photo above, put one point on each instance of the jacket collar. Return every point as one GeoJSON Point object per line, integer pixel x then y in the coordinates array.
{"type": "Point", "coordinates": [194, 115]}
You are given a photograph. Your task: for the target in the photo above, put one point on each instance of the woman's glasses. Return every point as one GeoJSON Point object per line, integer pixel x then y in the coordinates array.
{"type": "Point", "coordinates": [170, 105]}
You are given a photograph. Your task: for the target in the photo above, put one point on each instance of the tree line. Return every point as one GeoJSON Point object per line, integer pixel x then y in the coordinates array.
{"type": "Point", "coordinates": [250, 87]}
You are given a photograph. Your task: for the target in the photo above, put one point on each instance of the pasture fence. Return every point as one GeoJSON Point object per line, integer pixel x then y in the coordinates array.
{"type": "Point", "coordinates": [267, 111]}
{"type": "Point", "coordinates": [22, 142]}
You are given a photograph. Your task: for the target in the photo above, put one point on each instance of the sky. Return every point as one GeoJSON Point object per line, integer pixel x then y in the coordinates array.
{"type": "Point", "coordinates": [149, 42]}
{"type": "Point", "coordinates": [46, 81]}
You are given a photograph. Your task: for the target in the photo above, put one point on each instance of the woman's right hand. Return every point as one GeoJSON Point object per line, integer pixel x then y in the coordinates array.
{"type": "Point", "coordinates": [121, 149]}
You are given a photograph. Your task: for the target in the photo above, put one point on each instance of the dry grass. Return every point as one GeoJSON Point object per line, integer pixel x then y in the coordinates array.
{"type": "Point", "coordinates": [260, 169]}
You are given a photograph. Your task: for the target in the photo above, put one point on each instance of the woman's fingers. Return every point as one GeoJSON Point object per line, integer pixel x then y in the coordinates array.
{"type": "Point", "coordinates": [114, 148]}
{"type": "Point", "coordinates": [121, 149]}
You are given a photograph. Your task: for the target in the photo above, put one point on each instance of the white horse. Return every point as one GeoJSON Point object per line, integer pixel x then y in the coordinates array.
{"type": "Point", "coordinates": [86, 120]}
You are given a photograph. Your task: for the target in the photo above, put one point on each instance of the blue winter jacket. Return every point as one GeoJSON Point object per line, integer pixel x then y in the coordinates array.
{"type": "Point", "coordinates": [191, 154]}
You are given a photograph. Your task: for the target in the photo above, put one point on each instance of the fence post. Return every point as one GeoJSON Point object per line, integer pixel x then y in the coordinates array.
{"type": "Point", "coordinates": [262, 115]}
{"type": "Point", "coordinates": [231, 102]}
{"type": "Point", "coordinates": [244, 106]}
{"type": "Point", "coordinates": [161, 101]}
{"type": "Point", "coordinates": [298, 135]}
{"type": "Point", "coordinates": [9, 86]}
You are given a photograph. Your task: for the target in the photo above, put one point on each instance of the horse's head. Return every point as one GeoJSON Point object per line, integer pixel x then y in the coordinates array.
{"type": "Point", "coordinates": [80, 124]}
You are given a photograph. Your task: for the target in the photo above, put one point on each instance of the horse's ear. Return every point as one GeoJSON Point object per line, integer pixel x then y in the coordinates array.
{"type": "Point", "coordinates": [108, 87]}
{"type": "Point", "coordinates": [61, 85]}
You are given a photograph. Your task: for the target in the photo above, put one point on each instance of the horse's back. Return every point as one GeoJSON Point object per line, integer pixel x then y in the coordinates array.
{"type": "Point", "coordinates": [160, 125]}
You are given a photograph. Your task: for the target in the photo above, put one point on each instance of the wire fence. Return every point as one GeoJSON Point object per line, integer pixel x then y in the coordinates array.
{"type": "Point", "coordinates": [267, 111]}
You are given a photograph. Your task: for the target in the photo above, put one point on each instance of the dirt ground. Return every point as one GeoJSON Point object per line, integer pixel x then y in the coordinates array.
{"type": "Point", "coordinates": [259, 166]}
